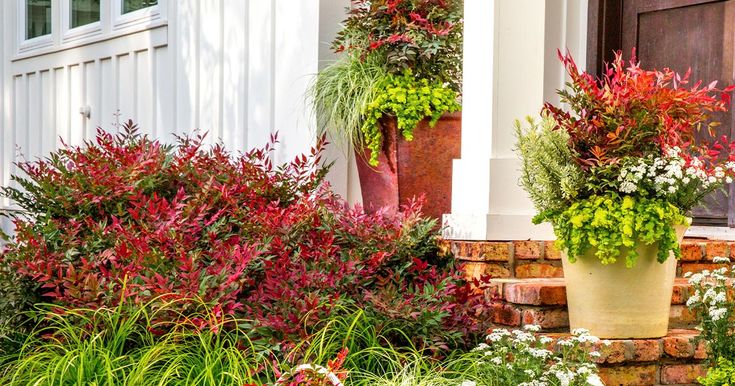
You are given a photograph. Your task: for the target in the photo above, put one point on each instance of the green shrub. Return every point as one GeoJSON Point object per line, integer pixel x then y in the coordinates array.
{"type": "Point", "coordinates": [548, 171]}
{"type": "Point", "coordinates": [612, 224]}
{"type": "Point", "coordinates": [723, 374]}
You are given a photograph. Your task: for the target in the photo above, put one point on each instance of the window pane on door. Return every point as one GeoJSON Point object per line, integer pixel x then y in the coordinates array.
{"type": "Point", "coordinates": [134, 5]}
{"type": "Point", "coordinates": [38, 18]}
{"type": "Point", "coordinates": [84, 12]}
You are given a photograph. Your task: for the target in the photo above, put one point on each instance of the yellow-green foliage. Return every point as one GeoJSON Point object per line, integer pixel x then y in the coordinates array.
{"type": "Point", "coordinates": [548, 170]}
{"type": "Point", "coordinates": [410, 100]}
{"type": "Point", "coordinates": [614, 224]}
{"type": "Point", "coordinates": [721, 375]}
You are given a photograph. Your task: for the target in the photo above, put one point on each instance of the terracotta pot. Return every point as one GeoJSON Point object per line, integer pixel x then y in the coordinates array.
{"type": "Point", "coordinates": [615, 302]}
{"type": "Point", "coordinates": [408, 169]}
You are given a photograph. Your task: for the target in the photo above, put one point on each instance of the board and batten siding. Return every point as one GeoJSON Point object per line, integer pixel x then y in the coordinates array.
{"type": "Point", "coordinates": [236, 69]}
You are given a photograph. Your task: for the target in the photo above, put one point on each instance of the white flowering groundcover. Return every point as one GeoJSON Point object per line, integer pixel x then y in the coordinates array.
{"type": "Point", "coordinates": [525, 358]}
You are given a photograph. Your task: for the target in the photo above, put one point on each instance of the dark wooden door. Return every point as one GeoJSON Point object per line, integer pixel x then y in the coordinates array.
{"type": "Point", "coordinates": [679, 34]}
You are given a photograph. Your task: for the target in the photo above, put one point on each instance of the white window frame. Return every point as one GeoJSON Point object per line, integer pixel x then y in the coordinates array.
{"type": "Point", "coordinates": [70, 34]}
{"type": "Point", "coordinates": [38, 42]}
{"type": "Point", "coordinates": [113, 23]}
{"type": "Point", "coordinates": [143, 17]}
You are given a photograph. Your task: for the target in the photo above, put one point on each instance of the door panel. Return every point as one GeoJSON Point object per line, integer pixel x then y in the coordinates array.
{"type": "Point", "coordinates": [679, 34]}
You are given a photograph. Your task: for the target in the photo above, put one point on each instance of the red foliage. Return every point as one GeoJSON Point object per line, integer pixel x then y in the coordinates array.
{"type": "Point", "coordinates": [424, 36]}
{"type": "Point", "coordinates": [127, 217]}
{"type": "Point", "coordinates": [635, 112]}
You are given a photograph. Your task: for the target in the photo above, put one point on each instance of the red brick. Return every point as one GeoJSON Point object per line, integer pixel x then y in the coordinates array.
{"type": "Point", "coordinates": [546, 318]}
{"type": "Point", "coordinates": [482, 250]}
{"type": "Point", "coordinates": [680, 316]}
{"type": "Point", "coordinates": [614, 352]}
{"type": "Point", "coordinates": [691, 251]}
{"type": "Point", "coordinates": [538, 293]}
{"type": "Point", "coordinates": [701, 351]}
{"type": "Point", "coordinates": [527, 250]}
{"type": "Point", "coordinates": [694, 268]}
{"type": "Point", "coordinates": [459, 249]}
{"type": "Point", "coordinates": [473, 270]}
{"type": "Point", "coordinates": [505, 314]}
{"type": "Point", "coordinates": [551, 252]}
{"type": "Point", "coordinates": [494, 291]}
{"type": "Point", "coordinates": [538, 270]}
{"type": "Point", "coordinates": [681, 292]}
{"type": "Point", "coordinates": [492, 251]}
{"type": "Point", "coordinates": [716, 249]}
{"type": "Point", "coordinates": [682, 373]}
{"type": "Point", "coordinates": [646, 350]}
{"type": "Point", "coordinates": [629, 375]}
{"type": "Point", "coordinates": [679, 343]}
{"type": "Point", "coordinates": [445, 246]}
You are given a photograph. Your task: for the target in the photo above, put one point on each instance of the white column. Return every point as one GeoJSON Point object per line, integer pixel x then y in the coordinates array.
{"type": "Point", "coordinates": [510, 68]}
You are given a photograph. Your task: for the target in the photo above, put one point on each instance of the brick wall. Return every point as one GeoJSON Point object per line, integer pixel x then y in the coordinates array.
{"type": "Point", "coordinates": [528, 288]}
{"type": "Point", "coordinates": [541, 259]}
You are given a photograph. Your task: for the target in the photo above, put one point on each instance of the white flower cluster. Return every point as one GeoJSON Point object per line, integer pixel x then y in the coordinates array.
{"type": "Point", "coordinates": [309, 368]}
{"type": "Point", "coordinates": [528, 356]}
{"type": "Point", "coordinates": [709, 297]}
{"type": "Point", "coordinates": [666, 175]}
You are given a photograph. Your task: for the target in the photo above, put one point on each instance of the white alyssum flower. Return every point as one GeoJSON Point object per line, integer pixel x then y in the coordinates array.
{"type": "Point", "coordinates": [532, 328]}
{"type": "Point", "coordinates": [468, 383]}
{"type": "Point", "coordinates": [565, 377]}
{"type": "Point", "coordinates": [497, 335]}
{"type": "Point", "coordinates": [720, 259]}
{"type": "Point", "coordinates": [694, 299]}
{"type": "Point", "coordinates": [530, 354]}
{"type": "Point", "coordinates": [540, 353]}
{"type": "Point", "coordinates": [696, 278]}
{"type": "Point", "coordinates": [717, 313]}
{"type": "Point", "coordinates": [594, 380]}
{"type": "Point", "coordinates": [720, 298]}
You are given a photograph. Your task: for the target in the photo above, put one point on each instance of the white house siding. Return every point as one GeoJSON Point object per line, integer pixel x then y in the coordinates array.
{"type": "Point", "coordinates": [343, 174]}
{"type": "Point", "coordinates": [237, 69]}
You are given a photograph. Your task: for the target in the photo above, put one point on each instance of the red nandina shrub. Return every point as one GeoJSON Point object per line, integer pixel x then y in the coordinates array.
{"type": "Point", "coordinates": [128, 217]}
{"type": "Point", "coordinates": [634, 112]}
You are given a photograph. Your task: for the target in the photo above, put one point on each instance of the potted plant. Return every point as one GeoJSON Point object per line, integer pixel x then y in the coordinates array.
{"type": "Point", "coordinates": [391, 96]}
{"type": "Point", "coordinates": [616, 174]}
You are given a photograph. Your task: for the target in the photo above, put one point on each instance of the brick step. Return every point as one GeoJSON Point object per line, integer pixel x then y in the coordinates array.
{"type": "Point", "coordinates": [519, 302]}
{"type": "Point", "coordinates": [675, 359]}
{"type": "Point", "coordinates": [541, 259]}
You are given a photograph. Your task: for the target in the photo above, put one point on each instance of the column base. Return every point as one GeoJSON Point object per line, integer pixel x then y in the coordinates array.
{"type": "Point", "coordinates": [494, 227]}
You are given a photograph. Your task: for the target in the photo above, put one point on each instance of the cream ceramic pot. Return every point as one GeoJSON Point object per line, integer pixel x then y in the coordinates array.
{"type": "Point", "coordinates": [615, 302]}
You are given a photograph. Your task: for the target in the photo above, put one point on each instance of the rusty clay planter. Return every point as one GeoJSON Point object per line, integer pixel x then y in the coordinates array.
{"type": "Point", "coordinates": [409, 169]}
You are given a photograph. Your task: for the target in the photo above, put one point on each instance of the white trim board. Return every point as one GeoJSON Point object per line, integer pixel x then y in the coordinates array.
{"type": "Point", "coordinates": [711, 233]}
